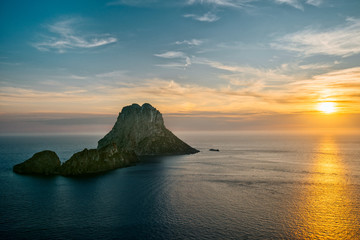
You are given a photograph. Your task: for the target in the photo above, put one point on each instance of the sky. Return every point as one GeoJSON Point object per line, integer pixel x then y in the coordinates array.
{"type": "Point", "coordinates": [70, 66]}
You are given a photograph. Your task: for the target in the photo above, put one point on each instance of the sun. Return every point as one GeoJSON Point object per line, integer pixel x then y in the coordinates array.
{"type": "Point", "coordinates": [327, 107]}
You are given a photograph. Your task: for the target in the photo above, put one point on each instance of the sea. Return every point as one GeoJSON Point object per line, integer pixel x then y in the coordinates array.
{"type": "Point", "coordinates": [257, 186]}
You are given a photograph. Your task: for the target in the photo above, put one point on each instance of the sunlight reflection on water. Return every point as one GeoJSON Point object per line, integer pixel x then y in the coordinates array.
{"type": "Point", "coordinates": [325, 209]}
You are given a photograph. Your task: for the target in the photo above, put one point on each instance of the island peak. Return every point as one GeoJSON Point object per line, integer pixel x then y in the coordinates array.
{"type": "Point", "coordinates": [142, 130]}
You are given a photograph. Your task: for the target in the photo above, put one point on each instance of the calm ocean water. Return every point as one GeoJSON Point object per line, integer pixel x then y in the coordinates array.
{"type": "Point", "coordinates": [257, 187]}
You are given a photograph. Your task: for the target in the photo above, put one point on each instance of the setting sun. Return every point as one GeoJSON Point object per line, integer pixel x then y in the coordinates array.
{"type": "Point", "coordinates": [327, 107]}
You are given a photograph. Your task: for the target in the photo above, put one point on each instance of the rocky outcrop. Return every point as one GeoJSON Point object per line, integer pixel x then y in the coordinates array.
{"type": "Point", "coordinates": [138, 131]}
{"type": "Point", "coordinates": [142, 129]}
{"type": "Point", "coordinates": [95, 161]}
{"type": "Point", "coordinates": [41, 163]}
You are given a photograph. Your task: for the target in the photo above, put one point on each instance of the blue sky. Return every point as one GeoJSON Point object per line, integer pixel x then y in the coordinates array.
{"type": "Point", "coordinates": [232, 61]}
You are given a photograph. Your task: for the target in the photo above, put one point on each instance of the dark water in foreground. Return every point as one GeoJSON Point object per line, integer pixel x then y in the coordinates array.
{"type": "Point", "coordinates": [256, 187]}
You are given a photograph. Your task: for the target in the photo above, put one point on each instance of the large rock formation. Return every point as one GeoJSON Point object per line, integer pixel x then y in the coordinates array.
{"type": "Point", "coordinates": [138, 131]}
{"type": "Point", "coordinates": [41, 163]}
{"type": "Point", "coordinates": [142, 130]}
{"type": "Point", "coordinates": [96, 161]}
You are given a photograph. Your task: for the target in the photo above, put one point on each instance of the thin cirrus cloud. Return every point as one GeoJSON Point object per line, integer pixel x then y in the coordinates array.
{"type": "Point", "coordinates": [299, 4]}
{"type": "Point", "coordinates": [171, 54]}
{"type": "Point", "coordinates": [132, 2]}
{"type": "Point", "coordinates": [192, 42]}
{"type": "Point", "coordinates": [207, 17]}
{"type": "Point", "coordinates": [341, 41]}
{"type": "Point", "coordinates": [243, 75]}
{"type": "Point", "coordinates": [63, 35]}
{"type": "Point", "coordinates": [221, 3]}
{"type": "Point", "coordinates": [174, 55]}
{"type": "Point", "coordinates": [314, 2]}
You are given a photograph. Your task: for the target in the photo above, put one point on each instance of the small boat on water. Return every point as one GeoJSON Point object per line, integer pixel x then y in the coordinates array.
{"type": "Point", "coordinates": [214, 150]}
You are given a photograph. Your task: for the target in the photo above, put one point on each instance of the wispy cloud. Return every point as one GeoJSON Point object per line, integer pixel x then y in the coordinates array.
{"type": "Point", "coordinates": [171, 54]}
{"type": "Point", "coordinates": [63, 35]}
{"type": "Point", "coordinates": [317, 66]}
{"type": "Point", "coordinates": [192, 42]}
{"type": "Point", "coordinates": [299, 4]}
{"type": "Point", "coordinates": [221, 66]}
{"type": "Point", "coordinates": [174, 55]}
{"type": "Point", "coordinates": [10, 63]}
{"type": "Point", "coordinates": [340, 41]}
{"type": "Point", "coordinates": [179, 65]}
{"type": "Point", "coordinates": [240, 74]}
{"type": "Point", "coordinates": [77, 77]}
{"type": "Point", "coordinates": [207, 17]}
{"type": "Point", "coordinates": [293, 3]}
{"type": "Point", "coordinates": [314, 2]}
{"type": "Point", "coordinates": [334, 79]}
{"type": "Point", "coordinates": [113, 74]}
{"type": "Point", "coordinates": [221, 3]}
{"type": "Point", "coordinates": [131, 2]}
{"type": "Point", "coordinates": [187, 62]}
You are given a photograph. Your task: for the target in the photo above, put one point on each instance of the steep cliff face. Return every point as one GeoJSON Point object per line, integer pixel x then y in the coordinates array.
{"type": "Point", "coordinates": [96, 161]}
{"type": "Point", "coordinates": [41, 163]}
{"type": "Point", "coordinates": [142, 129]}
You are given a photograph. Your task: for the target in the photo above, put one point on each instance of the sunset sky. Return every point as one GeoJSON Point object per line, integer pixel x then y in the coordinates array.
{"type": "Point", "coordinates": [70, 66]}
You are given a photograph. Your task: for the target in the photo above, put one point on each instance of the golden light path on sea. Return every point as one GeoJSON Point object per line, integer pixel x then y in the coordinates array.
{"type": "Point", "coordinates": [325, 209]}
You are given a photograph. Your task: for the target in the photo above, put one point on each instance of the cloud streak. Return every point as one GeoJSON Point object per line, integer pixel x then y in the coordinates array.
{"type": "Point", "coordinates": [240, 75]}
{"type": "Point", "coordinates": [299, 4]}
{"type": "Point", "coordinates": [221, 3]}
{"type": "Point", "coordinates": [192, 42]}
{"type": "Point", "coordinates": [63, 35]}
{"type": "Point", "coordinates": [207, 17]}
{"type": "Point", "coordinates": [174, 55]}
{"type": "Point", "coordinates": [171, 54]}
{"type": "Point", "coordinates": [293, 3]}
{"type": "Point", "coordinates": [340, 41]}
{"type": "Point", "coordinates": [132, 2]}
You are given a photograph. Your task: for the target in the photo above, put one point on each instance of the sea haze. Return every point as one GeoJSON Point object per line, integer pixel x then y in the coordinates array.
{"type": "Point", "coordinates": [258, 186]}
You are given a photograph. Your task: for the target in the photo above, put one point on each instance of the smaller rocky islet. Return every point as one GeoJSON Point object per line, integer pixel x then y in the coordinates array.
{"type": "Point", "coordinates": [138, 131]}
{"type": "Point", "coordinates": [42, 163]}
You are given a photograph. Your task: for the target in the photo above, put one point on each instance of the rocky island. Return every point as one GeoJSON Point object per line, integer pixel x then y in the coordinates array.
{"type": "Point", "coordinates": [142, 129]}
{"type": "Point", "coordinates": [42, 163]}
{"type": "Point", "coordinates": [138, 131]}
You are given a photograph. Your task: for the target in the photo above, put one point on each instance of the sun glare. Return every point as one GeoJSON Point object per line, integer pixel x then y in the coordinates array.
{"type": "Point", "coordinates": [327, 107]}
